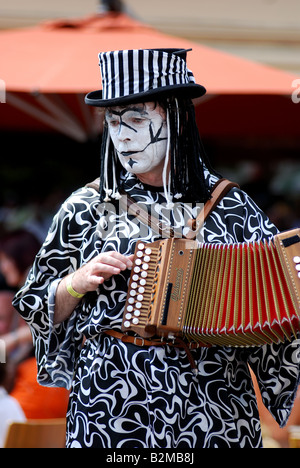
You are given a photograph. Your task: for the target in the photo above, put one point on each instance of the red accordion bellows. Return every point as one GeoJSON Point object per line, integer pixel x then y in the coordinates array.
{"type": "Point", "coordinates": [216, 294]}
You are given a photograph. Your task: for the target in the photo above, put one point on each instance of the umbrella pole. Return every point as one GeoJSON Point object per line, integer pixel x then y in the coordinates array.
{"type": "Point", "coordinates": [57, 121]}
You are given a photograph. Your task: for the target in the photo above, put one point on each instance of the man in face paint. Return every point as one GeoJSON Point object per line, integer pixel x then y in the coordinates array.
{"type": "Point", "coordinates": [139, 134]}
{"type": "Point", "coordinates": [67, 299]}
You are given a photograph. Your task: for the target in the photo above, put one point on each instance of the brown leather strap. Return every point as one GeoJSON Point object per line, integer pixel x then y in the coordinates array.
{"type": "Point", "coordinates": [136, 340]}
{"type": "Point", "coordinates": [134, 209]}
{"type": "Point", "coordinates": [139, 341]}
{"type": "Point", "coordinates": [177, 343]}
{"type": "Point", "coordinates": [95, 184]}
{"type": "Point", "coordinates": [220, 189]}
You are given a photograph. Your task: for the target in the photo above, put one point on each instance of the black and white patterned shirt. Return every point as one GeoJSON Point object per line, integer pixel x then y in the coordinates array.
{"type": "Point", "coordinates": [128, 396]}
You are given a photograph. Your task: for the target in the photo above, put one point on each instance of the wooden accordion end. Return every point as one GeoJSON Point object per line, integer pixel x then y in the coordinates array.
{"type": "Point", "coordinates": [216, 294]}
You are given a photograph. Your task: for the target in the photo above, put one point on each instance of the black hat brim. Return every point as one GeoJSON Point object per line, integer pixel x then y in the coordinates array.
{"type": "Point", "coordinates": [187, 91]}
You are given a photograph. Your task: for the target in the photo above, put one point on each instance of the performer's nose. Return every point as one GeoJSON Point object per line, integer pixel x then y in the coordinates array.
{"type": "Point", "coordinates": [124, 133]}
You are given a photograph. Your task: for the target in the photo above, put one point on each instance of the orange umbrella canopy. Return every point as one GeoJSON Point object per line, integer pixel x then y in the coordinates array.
{"type": "Point", "coordinates": [48, 69]}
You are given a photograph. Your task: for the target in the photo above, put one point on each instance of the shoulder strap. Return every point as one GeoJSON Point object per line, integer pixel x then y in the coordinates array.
{"type": "Point", "coordinates": [220, 189]}
{"type": "Point", "coordinates": [95, 184]}
{"type": "Point", "coordinates": [133, 208]}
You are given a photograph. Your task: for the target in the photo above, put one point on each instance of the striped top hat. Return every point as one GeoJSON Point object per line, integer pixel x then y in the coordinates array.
{"type": "Point", "coordinates": [143, 75]}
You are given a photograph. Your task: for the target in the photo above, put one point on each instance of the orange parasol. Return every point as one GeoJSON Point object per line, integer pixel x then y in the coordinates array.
{"type": "Point", "coordinates": [48, 69]}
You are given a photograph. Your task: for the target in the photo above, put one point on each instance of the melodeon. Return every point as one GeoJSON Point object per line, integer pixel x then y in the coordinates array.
{"type": "Point", "coordinates": [244, 294]}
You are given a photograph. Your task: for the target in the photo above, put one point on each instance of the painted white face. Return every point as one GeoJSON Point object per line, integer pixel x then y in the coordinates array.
{"type": "Point", "coordinates": [139, 134]}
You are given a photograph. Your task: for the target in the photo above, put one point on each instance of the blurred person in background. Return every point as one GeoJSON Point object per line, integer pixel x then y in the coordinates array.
{"type": "Point", "coordinates": [9, 318]}
{"type": "Point", "coordinates": [17, 252]}
{"type": "Point", "coordinates": [10, 409]}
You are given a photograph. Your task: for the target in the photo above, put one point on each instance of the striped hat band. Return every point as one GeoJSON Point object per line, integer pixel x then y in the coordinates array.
{"type": "Point", "coordinates": [132, 74]}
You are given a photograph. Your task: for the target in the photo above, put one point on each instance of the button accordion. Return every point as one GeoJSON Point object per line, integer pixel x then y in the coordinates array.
{"type": "Point", "coordinates": [244, 294]}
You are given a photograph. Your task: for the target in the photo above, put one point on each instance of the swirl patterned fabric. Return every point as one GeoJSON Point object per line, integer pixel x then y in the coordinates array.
{"type": "Point", "coordinates": [123, 395]}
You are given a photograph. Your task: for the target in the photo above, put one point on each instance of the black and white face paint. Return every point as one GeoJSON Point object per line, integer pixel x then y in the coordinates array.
{"type": "Point", "coordinates": [139, 134]}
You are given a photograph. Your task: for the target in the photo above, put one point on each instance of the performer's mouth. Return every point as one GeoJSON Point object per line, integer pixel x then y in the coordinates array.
{"type": "Point", "coordinates": [126, 154]}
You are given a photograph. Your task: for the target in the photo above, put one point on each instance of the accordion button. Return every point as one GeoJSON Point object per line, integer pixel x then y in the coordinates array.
{"type": "Point", "coordinates": [137, 313]}
{"type": "Point", "coordinates": [138, 261]}
{"type": "Point", "coordinates": [143, 282]}
{"type": "Point", "coordinates": [148, 251]}
{"type": "Point", "coordinates": [127, 324]}
{"type": "Point", "coordinates": [145, 266]}
{"type": "Point", "coordinates": [138, 305]}
{"type": "Point", "coordinates": [131, 300]}
{"type": "Point", "coordinates": [147, 259]}
{"type": "Point", "coordinates": [129, 308]}
{"type": "Point", "coordinates": [296, 259]}
{"type": "Point", "coordinates": [135, 278]}
{"type": "Point", "coordinates": [144, 274]}
{"type": "Point", "coordinates": [134, 285]}
{"type": "Point", "coordinates": [141, 246]}
{"type": "Point", "coordinates": [135, 321]}
{"type": "Point", "coordinates": [298, 267]}
{"type": "Point", "coordinates": [136, 269]}
{"type": "Point", "coordinates": [139, 254]}
{"type": "Point", "coordinates": [132, 293]}
{"type": "Point", "coordinates": [128, 316]}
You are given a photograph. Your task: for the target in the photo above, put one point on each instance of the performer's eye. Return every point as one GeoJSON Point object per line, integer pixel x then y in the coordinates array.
{"type": "Point", "coordinates": [137, 120]}
{"type": "Point", "coordinates": [113, 123]}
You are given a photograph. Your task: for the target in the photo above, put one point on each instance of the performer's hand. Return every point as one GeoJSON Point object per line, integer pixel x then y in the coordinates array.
{"type": "Point", "coordinates": [100, 269]}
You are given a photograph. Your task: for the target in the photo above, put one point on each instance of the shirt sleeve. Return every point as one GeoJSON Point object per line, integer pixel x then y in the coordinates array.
{"type": "Point", "coordinates": [56, 345]}
{"type": "Point", "coordinates": [277, 369]}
